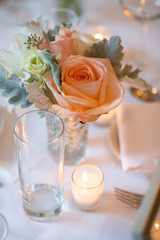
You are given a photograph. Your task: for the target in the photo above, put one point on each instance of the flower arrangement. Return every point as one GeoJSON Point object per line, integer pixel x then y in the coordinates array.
{"type": "Point", "coordinates": [64, 70]}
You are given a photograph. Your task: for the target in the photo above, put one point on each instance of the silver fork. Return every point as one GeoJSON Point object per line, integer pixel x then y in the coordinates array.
{"type": "Point", "coordinates": [130, 198]}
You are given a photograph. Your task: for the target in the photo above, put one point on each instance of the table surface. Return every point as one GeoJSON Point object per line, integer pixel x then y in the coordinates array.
{"type": "Point", "coordinates": [112, 219]}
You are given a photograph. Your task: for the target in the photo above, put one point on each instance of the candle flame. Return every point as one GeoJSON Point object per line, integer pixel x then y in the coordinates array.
{"type": "Point", "coordinates": [85, 177]}
{"type": "Point", "coordinates": [98, 36]}
{"type": "Point", "coordinates": [139, 92]}
{"type": "Point", "coordinates": [127, 13]}
{"type": "Point", "coordinates": [157, 226]}
{"type": "Point", "coordinates": [154, 90]}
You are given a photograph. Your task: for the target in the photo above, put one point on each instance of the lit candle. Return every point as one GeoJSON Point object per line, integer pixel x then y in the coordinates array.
{"type": "Point", "coordinates": [100, 32]}
{"type": "Point", "coordinates": [157, 226]}
{"type": "Point", "coordinates": [87, 186]}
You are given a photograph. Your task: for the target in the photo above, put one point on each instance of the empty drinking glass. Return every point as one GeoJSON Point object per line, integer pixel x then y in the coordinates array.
{"type": "Point", "coordinates": [40, 146]}
{"type": "Point", "coordinates": [3, 227]}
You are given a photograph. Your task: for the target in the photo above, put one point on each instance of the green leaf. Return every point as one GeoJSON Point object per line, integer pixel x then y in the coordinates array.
{"type": "Point", "coordinates": [51, 33]}
{"type": "Point", "coordinates": [47, 37]}
{"type": "Point", "coordinates": [127, 71]}
{"type": "Point", "coordinates": [50, 60]}
{"type": "Point", "coordinates": [51, 36]}
{"type": "Point", "coordinates": [111, 49]}
{"type": "Point", "coordinates": [66, 25]}
{"type": "Point", "coordinates": [26, 104]}
{"type": "Point", "coordinates": [12, 90]}
{"type": "Point", "coordinates": [48, 94]}
{"type": "Point", "coordinates": [33, 41]}
{"type": "Point", "coordinates": [56, 29]}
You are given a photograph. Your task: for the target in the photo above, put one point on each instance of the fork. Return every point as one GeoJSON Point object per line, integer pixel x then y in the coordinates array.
{"type": "Point", "coordinates": [131, 198]}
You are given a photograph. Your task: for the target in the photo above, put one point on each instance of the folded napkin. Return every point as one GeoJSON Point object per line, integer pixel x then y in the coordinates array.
{"type": "Point", "coordinates": [139, 136]}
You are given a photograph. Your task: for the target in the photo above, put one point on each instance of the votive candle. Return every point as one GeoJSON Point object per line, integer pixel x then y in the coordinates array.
{"type": "Point", "coordinates": [87, 186]}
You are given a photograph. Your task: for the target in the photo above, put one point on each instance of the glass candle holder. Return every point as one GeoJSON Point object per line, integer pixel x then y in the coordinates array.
{"type": "Point", "coordinates": [87, 186]}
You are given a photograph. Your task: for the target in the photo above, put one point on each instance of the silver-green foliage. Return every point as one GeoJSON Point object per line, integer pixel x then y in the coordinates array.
{"type": "Point", "coordinates": [113, 50]}
{"type": "Point", "coordinates": [49, 59]}
{"type": "Point", "coordinates": [13, 90]}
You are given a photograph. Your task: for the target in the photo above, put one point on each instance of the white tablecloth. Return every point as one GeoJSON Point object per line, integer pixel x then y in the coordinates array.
{"type": "Point", "coordinates": [113, 219]}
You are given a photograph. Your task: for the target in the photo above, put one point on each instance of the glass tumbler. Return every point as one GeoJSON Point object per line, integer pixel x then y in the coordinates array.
{"type": "Point", "coordinates": [40, 150]}
{"type": "Point", "coordinates": [59, 17]}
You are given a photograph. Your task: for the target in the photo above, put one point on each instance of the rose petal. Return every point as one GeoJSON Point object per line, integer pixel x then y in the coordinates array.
{"type": "Point", "coordinates": [81, 101]}
{"type": "Point", "coordinates": [89, 87]}
{"type": "Point", "coordinates": [63, 33]}
{"type": "Point", "coordinates": [44, 45]}
{"type": "Point", "coordinates": [70, 91]}
{"type": "Point", "coordinates": [103, 91]}
{"type": "Point", "coordinates": [114, 96]}
{"type": "Point", "coordinates": [63, 113]}
{"type": "Point", "coordinates": [80, 47]}
{"type": "Point", "coordinates": [64, 46]}
{"type": "Point", "coordinates": [60, 100]}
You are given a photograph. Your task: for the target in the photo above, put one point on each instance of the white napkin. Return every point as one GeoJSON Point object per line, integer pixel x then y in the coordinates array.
{"type": "Point", "coordinates": [139, 136]}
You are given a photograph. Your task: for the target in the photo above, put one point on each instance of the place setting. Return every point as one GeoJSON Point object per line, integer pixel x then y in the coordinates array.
{"type": "Point", "coordinates": [61, 88]}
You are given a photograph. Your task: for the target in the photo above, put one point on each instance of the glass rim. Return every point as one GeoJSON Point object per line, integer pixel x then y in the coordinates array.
{"type": "Point", "coordinates": [5, 225]}
{"type": "Point", "coordinates": [134, 16]}
{"type": "Point", "coordinates": [63, 10]}
{"type": "Point", "coordinates": [88, 166]}
{"type": "Point", "coordinates": [36, 111]}
{"type": "Point", "coordinates": [69, 10]}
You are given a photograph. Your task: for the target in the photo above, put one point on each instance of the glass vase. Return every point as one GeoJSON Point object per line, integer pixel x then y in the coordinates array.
{"type": "Point", "coordinates": [75, 141]}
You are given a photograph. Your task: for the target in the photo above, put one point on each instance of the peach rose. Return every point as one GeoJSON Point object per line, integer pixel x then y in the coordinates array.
{"type": "Point", "coordinates": [59, 46]}
{"type": "Point", "coordinates": [89, 88]}
{"type": "Point", "coordinates": [63, 33]}
{"type": "Point", "coordinates": [62, 47]}
{"type": "Point", "coordinates": [66, 44]}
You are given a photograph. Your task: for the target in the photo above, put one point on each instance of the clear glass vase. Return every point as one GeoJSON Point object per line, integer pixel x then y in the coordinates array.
{"type": "Point", "coordinates": [75, 141]}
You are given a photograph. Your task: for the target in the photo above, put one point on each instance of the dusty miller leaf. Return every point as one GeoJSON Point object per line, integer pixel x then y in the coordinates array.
{"type": "Point", "coordinates": [138, 83]}
{"type": "Point", "coordinates": [127, 71]}
{"type": "Point", "coordinates": [11, 89]}
{"type": "Point", "coordinates": [38, 96]}
{"type": "Point", "coordinates": [111, 49]}
{"type": "Point", "coordinates": [49, 59]}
